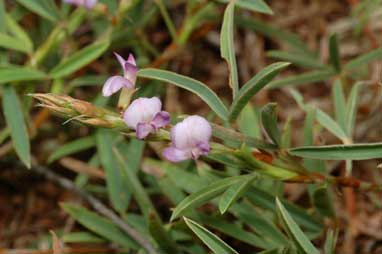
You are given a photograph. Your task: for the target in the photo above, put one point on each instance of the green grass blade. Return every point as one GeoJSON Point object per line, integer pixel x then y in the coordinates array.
{"type": "Point", "coordinates": [18, 73]}
{"type": "Point", "coordinates": [305, 61]}
{"type": "Point", "coordinates": [192, 85]}
{"type": "Point", "coordinates": [15, 121]}
{"type": "Point", "coordinates": [217, 245]}
{"type": "Point", "coordinates": [340, 152]}
{"type": "Point", "coordinates": [46, 9]}
{"type": "Point", "coordinates": [300, 239]}
{"type": "Point", "coordinates": [79, 59]}
{"type": "Point", "coordinates": [253, 86]}
{"type": "Point", "coordinates": [364, 59]}
{"type": "Point", "coordinates": [351, 112]}
{"type": "Point", "coordinates": [334, 53]}
{"type": "Point", "coordinates": [72, 147]}
{"type": "Point", "coordinates": [269, 122]}
{"type": "Point", "coordinates": [227, 47]}
{"type": "Point", "coordinates": [340, 107]}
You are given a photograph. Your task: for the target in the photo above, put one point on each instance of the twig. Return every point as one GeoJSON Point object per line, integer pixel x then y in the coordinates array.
{"type": "Point", "coordinates": [97, 206]}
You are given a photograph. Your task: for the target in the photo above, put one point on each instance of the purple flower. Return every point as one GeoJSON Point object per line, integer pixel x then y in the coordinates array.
{"type": "Point", "coordinates": [89, 4]}
{"type": "Point", "coordinates": [115, 83]}
{"type": "Point", "coordinates": [190, 139]}
{"type": "Point", "coordinates": [144, 115]}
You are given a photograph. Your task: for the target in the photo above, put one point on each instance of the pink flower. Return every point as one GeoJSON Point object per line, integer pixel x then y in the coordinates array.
{"type": "Point", "coordinates": [89, 4]}
{"type": "Point", "coordinates": [144, 115]}
{"type": "Point", "coordinates": [190, 139]}
{"type": "Point", "coordinates": [115, 83]}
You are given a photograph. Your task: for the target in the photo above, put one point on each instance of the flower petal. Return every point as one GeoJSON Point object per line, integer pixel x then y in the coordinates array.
{"type": "Point", "coordinates": [131, 60]}
{"type": "Point", "coordinates": [142, 110]}
{"type": "Point", "coordinates": [175, 155]}
{"type": "Point", "coordinates": [90, 3]}
{"type": "Point", "coordinates": [202, 148]}
{"type": "Point", "coordinates": [114, 84]}
{"type": "Point", "coordinates": [161, 119]}
{"type": "Point", "coordinates": [121, 60]}
{"type": "Point", "coordinates": [144, 129]}
{"type": "Point", "coordinates": [130, 72]}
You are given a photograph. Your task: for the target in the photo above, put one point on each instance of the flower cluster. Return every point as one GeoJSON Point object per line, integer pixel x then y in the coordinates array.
{"type": "Point", "coordinates": [190, 138]}
{"type": "Point", "coordinates": [89, 4]}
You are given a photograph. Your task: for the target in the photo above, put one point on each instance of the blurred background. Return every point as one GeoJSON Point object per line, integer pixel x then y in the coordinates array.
{"type": "Point", "coordinates": [53, 47]}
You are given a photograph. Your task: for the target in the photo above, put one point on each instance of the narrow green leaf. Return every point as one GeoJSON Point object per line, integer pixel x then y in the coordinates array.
{"type": "Point", "coordinates": [82, 237]}
{"type": "Point", "coordinates": [351, 112]}
{"type": "Point", "coordinates": [115, 180]}
{"type": "Point", "coordinates": [213, 242]}
{"type": "Point", "coordinates": [79, 59]}
{"type": "Point", "coordinates": [330, 242]}
{"type": "Point", "coordinates": [340, 152]}
{"type": "Point", "coordinates": [233, 193]}
{"type": "Point", "coordinates": [19, 33]}
{"type": "Point", "coordinates": [249, 122]}
{"type": "Point", "coordinates": [253, 86]}
{"type": "Point", "coordinates": [323, 202]}
{"type": "Point", "coordinates": [3, 27]}
{"type": "Point", "coordinates": [46, 9]}
{"type": "Point", "coordinates": [339, 103]}
{"type": "Point", "coordinates": [302, 79]}
{"type": "Point", "coordinates": [192, 85]}
{"type": "Point", "coordinates": [18, 73]}
{"type": "Point", "coordinates": [99, 225]}
{"type": "Point", "coordinates": [364, 59]}
{"type": "Point", "coordinates": [325, 120]}
{"type": "Point", "coordinates": [10, 42]}
{"type": "Point", "coordinates": [15, 121]}
{"type": "Point", "coordinates": [334, 53]}
{"type": "Point", "coordinates": [237, 139]}
{"type": "Point", "coordinates": [305, 61]}
{"type": "Point", "coordinates": [235, 231]}
{"type": "Point", "coordinates": [294, 230]}
{"type": "Point", "coordinates": [275, 33]}
{"type": "Point", "coordinates": [72, 147]}
{"type": "Point", "coordinates": [253, 5]}
{"type": "Point", "coordinates": [202, 196]}
{"type": "Point", "coordinates": [227, 46]}
{"type": "Point", "coordinates": [161, 235]}
{"type": "Point", "coordinates": [269, 121]}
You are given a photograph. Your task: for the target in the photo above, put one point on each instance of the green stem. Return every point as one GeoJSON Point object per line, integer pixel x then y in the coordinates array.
{"type": "Point", "coordinates": [170, 25]}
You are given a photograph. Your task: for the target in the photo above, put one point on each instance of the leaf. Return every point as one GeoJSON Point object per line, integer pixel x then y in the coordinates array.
{"type": "Point", "coordinates": [46, 9]}
{"type": "Point", "coordinates": [323, 201]}
{"type": "Point", "coordinates": [305, 61]}
{"type": "Point", "coordinates": [253, 5]}
{"type": "Point", "coordinates": [275, 33]}
{"type": "Point", "coordinates": [233, 193]}
{"type": "Point", "coordinates": [237, 139]}
{"type": "Point", "coordinates": [269, 121]}
{"type": "Point", "coordinates": [351, 112]}
{"type": "Point", "coordinates": [202, 196]}
{"type": "Point", "coordinates": [18, 73]}
{"type": "Point", "coordinates": [19, 33]}
{"type": "Point", "coordinates": [334, 52]}
{"type": "Point", "coordinates": [115, 181]}
{"type": "Point", "coordinates": [249, 122]}
{"type": "Point", "coordinates": [10, 42]}
{"type": "Point", "coordinates": [236, 231]}
{"type": "Point", "coordinates": [72, 147]}
{"type": "Point", "coordinates": [79, 59]}
{"type": "Point", "coordinates": [294, 230]}
{"type": "Point", "coordinates": [227, 46]}
{"type": "Point", "coordinates": [253, 86]}
{"type": "Point", "coordinates": [82, 237]}
{"type": "Point", "coordinates": [331, 125]}
{"type": "Point", "coordinates": [339, 103]}
{"type": "Point", "coordinates": [364, 59]}
{"type": "Point", "coordinates": [330, 242]}
{"type": "Point", "coordinates": [302, 79]}
{"type": "Point", "coordinates": [15, 121]}
{"type": "Point", "coordinates": [56, 245]}
{"type": "Point", "coordinates": [340, 152]}
{"type": "Point", "coordinates": [3, 27]}
{"type": "Point", "coordinates": [192, 85]}
{"type": "Point", "coordinates": [211, 240]}
{"type": "Point", "coordinates": [99, 225]}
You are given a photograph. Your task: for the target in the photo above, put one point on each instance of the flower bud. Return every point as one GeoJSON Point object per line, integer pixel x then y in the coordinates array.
{"type": "Point", "coordinates": [144, 115]}
{"type": "Point", "coordinates": [190, 139]}
{"type": "Point", "coordinates": [115, 83]}
{"type": "Point", "coordinates": [89, 4]}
